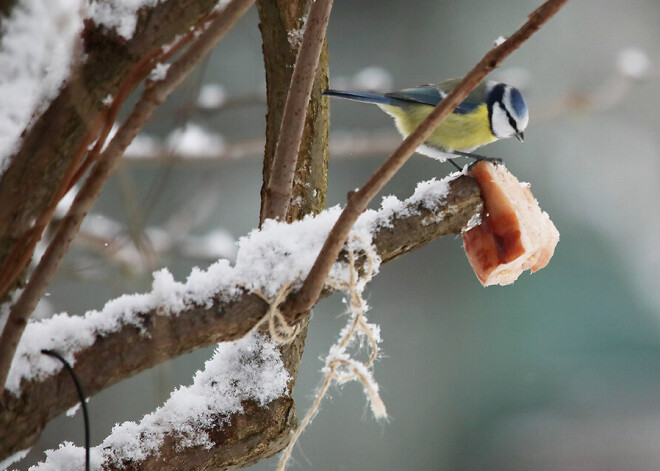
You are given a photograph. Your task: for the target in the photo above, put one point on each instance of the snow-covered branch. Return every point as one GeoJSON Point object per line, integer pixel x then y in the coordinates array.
{"type": "Point", "coordinates": [196, 419]}
{"type": "Point", "coordinates": [136, 332]}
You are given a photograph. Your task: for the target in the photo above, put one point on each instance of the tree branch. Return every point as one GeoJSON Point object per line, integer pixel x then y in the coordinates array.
{"type": "Point", "coordinates": [279, 27]}
{"type": "Point", "coordinates": [131, 348]}
{"type": "Point", "coordinates": [279, 190]}
{"type": "Point", "coordinates": [236, 411]}
{"type": "Point", "coordinates": [151, 99]}
{"type": "Point", "coordinates": [49, 150]}
{"type": "Point", "coordinates": [302, 301]}
{"type": "Point", "coordinates": [82, 159]}
{"type": "Point", "coordinates": [236, 443]}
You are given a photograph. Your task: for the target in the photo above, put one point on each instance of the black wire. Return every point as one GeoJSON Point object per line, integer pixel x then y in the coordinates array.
{"type": "Point", "coordinates": [81, 396]}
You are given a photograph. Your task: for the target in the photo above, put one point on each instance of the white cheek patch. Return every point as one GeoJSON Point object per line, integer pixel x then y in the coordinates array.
{"type": "Point", "coordinates": [500, 122]}
{"type": "Point", "coordinates": [522, 122]}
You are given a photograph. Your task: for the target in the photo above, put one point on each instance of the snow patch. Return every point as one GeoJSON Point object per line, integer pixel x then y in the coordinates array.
{"type": "Point", "coordinates": [18, 456]}
{"type": "Point", "coordinates": [212, 96]}
{"type": "Point", "coordinates": [195, 141]}
{"type": "Point", "coordinates": [633, 63]}
{"type": "Point", "coordinates": [119, 15]}
{"type": "Point", "coordinates": [427, 195]}
{"type": "Point", "coordinates": [35, 57]}
{"type": "Point", "coordinates": [159, 72]}
{"type": "Point", "coordinates": [73, 410]}
{"type": "Point", "coordinates": [499, 41]}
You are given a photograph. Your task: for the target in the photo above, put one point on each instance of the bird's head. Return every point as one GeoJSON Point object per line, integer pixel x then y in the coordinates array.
{"type": "Point", "coordinates": [507, 111]}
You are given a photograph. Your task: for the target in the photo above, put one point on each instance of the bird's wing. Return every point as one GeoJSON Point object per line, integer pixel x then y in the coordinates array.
{"type": "Point", "coordinates": [432, 95]}
{"type": "Point", "coordinates": [426, 95]}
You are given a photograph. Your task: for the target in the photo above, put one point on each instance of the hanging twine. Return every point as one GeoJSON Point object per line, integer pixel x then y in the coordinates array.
{"type": "Point", "coordinates": [340, 366]}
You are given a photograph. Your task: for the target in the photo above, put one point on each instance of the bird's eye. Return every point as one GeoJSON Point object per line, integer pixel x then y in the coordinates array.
{"type": "Point", "coordinates": [512, 122]}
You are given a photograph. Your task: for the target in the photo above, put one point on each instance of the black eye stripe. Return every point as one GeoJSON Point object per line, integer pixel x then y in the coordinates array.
{"type": "Point", "coordinates": [496, 97]}
{"type": "Point", "coordinates": [512, 121]}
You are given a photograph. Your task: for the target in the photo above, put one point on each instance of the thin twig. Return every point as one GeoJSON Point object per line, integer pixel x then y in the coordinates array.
{"type": "Point", "coordinates": [278, 193]}
{"type": "Point", "coordinates": [301, 302]}
{"type": "Point", "coordinates": [107, 161]}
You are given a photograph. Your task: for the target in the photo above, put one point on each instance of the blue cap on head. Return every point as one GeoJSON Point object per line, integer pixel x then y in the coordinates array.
{"type": "Point", "coordinates": [518, 102]}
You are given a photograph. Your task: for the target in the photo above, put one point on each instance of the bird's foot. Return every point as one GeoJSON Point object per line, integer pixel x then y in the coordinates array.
{"type": "Point", "coordinates": [477, 158]}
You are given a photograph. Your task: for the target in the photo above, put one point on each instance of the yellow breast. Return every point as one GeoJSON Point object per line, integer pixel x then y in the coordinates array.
{"type": "Point", "coordinates": [464, 132]}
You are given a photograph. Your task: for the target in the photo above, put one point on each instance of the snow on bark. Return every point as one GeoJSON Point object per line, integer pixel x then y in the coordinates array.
{"type": "Point", "coordinates": [248, 369]}
{"type": "Point", "coordinates": [35, 58]}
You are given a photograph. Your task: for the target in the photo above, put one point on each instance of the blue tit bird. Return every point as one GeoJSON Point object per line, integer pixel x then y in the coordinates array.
{"type": "Point", "coordinates": [492, 111]}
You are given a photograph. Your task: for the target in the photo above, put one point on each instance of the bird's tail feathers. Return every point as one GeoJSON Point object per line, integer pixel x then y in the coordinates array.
{"type": "Point", "coordinates": [361, 96]}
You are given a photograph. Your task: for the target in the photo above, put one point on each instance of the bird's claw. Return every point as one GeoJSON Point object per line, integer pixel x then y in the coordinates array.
{"type": "Point", "coordinates": [493, 160]}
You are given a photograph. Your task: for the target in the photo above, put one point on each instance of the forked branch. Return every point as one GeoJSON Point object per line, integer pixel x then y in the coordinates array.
{"type": "Point", "coordinates": [278, 193]}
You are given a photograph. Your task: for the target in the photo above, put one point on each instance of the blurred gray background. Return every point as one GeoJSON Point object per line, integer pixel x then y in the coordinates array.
{"type": "Point", "coordinates": [560, 370]}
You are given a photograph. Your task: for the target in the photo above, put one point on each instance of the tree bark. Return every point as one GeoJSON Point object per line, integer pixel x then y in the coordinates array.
{"type": "Point", "coordinates": [279, 189]}
{"type": "Point", "coordinates": [280, 18]}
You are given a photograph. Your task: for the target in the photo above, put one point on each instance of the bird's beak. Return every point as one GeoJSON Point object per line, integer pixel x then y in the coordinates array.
{"type": "Point", "coordinates": [520, 136]}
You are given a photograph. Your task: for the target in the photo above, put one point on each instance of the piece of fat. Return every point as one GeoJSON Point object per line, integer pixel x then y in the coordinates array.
{"type": "Point", "coordinates": [515, 234]}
